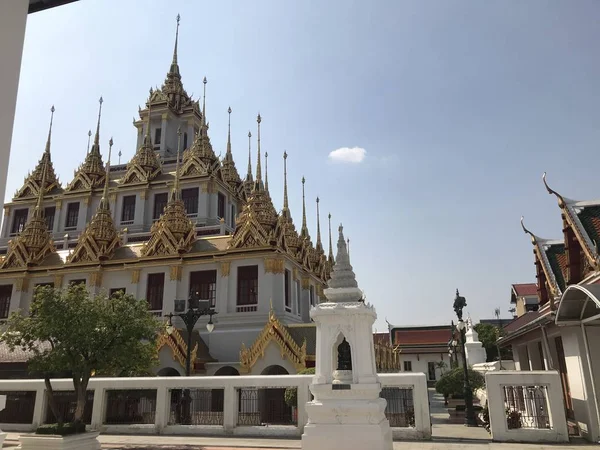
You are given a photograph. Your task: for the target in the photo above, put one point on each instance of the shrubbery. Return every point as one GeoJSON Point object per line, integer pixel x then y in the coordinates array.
{"type": "Point", "coordinates": [291, 394]}
{"type": "Point", "coordinates": [452, 383]}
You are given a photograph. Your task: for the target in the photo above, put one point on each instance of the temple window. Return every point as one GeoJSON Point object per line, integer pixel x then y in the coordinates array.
{"type": "Point", "coordinates": [311, 293]}
{"type": "Point", "coordinates": [154, 291]}
{"type": "Point", "coordinates": [247, 288]}
{"type": "Point", "coordinates": [204, 285]}
{"type": "Point", "coordinates": [287, 293]}
{"type": "Point", "coordinates": [408, 366]}
{"type": "Point", "coordinates": [160, 201]}
{"type": "Point", "coordinates": [19, 221]}
{"type": "Point", "coordinates": [115, 291]}
{"type": "Point", "coordinates": [72, 215]}
{"type": "Point", "coordinates": [157, 136]}
{"type": "Point", "coordinates": [220, 205]}
{"type": "Point", "coordinates": [184, 141]}
{"type": "Point", "coordinates": [5, 296]}
{"type": "Point", "coordinates": [49, 214]}
{"type": "Point", "coordinates": [190, 200]}
{"type": "Point", "coordinates": [128, 211]}
{"type": "Point", "coordinates": [232, 221]}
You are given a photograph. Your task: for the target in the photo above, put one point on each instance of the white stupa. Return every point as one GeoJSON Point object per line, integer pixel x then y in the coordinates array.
{"type": "Point", "coordinates": [474, 350]}
{"type": "Point", "coordinates": [347, 411]}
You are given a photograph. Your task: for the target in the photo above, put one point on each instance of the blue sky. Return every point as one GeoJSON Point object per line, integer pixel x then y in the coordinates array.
{"type": "Point", "coordinates": [460, 107]}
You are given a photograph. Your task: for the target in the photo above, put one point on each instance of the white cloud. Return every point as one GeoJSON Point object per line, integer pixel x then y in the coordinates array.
{"type": "Point", "coordinates": [352, 155]}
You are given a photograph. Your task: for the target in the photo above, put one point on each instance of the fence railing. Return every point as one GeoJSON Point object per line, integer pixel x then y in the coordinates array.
{"type": "Point", "coordinates": [228, 405]}
{"type": "Point", "coordinates": [526, 406]}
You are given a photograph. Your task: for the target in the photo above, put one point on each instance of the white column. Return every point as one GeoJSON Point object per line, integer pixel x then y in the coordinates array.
{"type": "Point", "coordinates": [5, 223]}
{"type": "Point", "coordinates": [163, 133]}
{"type": "Point", "coordinates": [13, 19]}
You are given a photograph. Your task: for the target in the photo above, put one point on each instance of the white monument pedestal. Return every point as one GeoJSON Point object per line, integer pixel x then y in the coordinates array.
{"type": "Point", "coordinates": [347, 412]}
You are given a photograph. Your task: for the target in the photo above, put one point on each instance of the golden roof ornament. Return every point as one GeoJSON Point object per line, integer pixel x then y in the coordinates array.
{"type": "Point", "coordinates": [91, 174]}
{"type": "Point", "coordinates": [33, 181]}
{"type": "Point", "coordinates": [34, 243]}
{"type": "Point", "coordinates": [287, 236]}
{"type": "Point", "coordinates": [145, 165]}
{"type": "Point", "coordinates": [267, 171]}
{"type": "Point", "coordinates": [200, 159]}
{"type": "Point", "coordinates": [100, 238]}
{"type": "Point", "coordinates": [304, 234]}
{"type": "Point", "coordinates": [89, 138]}
{"type": "Point", "coordinates": [228, 169]}
{"type": "Point", "coordinates": [173, 233]}
{"type": "Point", "coordinates": [249, 181]}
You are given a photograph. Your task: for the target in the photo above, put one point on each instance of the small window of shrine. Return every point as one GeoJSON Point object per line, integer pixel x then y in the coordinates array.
{"type": "Point", "coordinates": [5, 296]}
{"type": "Point", "coordinates": [247, 292]}
{"type": "Point", "coordinates": [72, 216]}
{"type": "Point", "coordinates": [19, 221]}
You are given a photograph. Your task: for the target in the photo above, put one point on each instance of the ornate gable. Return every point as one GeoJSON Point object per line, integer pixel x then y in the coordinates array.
{"type": "Point", "coordinates": [273, 331]}
{"type": "Point", "coordinates": [200, 159]}
{"type": "Point", "coordinates": [249, 233]}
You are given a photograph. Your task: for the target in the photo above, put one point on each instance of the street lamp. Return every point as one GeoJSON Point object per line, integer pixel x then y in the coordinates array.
{"type": "Point", "coordinates": [452, 348]}
{"type": "Point", "coordinates": [459, 304]}
{"type": "Point", "coordinates": [196, 309]}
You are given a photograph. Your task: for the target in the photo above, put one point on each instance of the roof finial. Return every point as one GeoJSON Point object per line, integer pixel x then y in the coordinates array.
{"type": "Point", "coordinates": [304, 231]}
{"type": "Point", "coordinates": [89, 137]}
{"type": "Point", "coordinates": [330, 241]}
{"type": "Point", "coordinates": [174, 63]}
{"type": "Point", "coordinates": [204, 104]}
{"type": "Point", "coordinates": [104, 200]}
{"type": "Point", "coordinates": [120, 154]}
{"type": "Point", "coordinates": [348, 248]}
{"type": "Point", "coordinates": [175, 195]}
{"type": "Point", "coordinates": [96, 146]}
{"type": "Point", "coordinates": [266, 171]}
{"type": "Point", "coordinates": [249, 174]}
{"type": "Point", "coordinates": [50, 130]}
{"type": "Point", "coordinates": [319, 244]}
{"type": "Point", "coordinates": [561, 200]}
{"type": "Point", "coordinates": [229, 131]}
{"type": "Point", "coordinates": [258, 166]}
{"type": "Point", "coordinates": [285, 193]}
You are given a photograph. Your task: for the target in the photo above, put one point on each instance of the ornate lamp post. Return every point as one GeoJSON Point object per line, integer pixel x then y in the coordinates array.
{"type": "Point", "coordinates": [459, 304]}
{"type": "Point", "coordinates": [196, 309]}
{"type": "Point", "coordinates": [453, 348]}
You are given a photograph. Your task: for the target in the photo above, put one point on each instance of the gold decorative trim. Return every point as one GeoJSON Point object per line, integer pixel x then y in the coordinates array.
{"type": "Point", "coordinates": [275, 331]}
{"type": "Point", "coordinates": [112, 197]}
{"type": "Point", "coordinates": [6, 211]}
{"type": "Point", "coordinates": [58, 281]}
{"type": "Point", "coordinates": [178, 347]}
{"type": "Point", "coordinates": [87, 200]}
{"type": "Point", "coordinates": [135, 276]}
{"type": "Point", "coordinates": [176, 272]}
{"type": "Point", "coordinates": [225, 268]}
{"type": "Point", "coordinates": [204, 188]}
{"type": "Point", "coordinates": [21, 285]}
{"type": "Point", "coordinates": [164, 116]}
{"type": "Point", "coordinates": [274, 265]}
{"type": "Point", "coordinates": [144, 194]}
{"type": "Point", "coordinates": [58, 204]}
{"type": "Point", "coordinates": [96, 279]}
{"type": "Point", "coordinates": [305, 282]}
{"type": "Point", "coordinates": [295, 274]}
{"type": "Point", "coordinates": [387, 358]}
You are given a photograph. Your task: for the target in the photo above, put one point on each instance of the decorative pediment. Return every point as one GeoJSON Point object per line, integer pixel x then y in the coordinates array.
{"type": "Point", "coordinates": [98, 241]}
{"type": "Point", "coordinates": [144, 167]}
{"type": "Point", "coordinates": [33, 181]}
{"type": "Point", "coordinates": [31, 246]}
{"type": "Point", "coordinates": [273, 331]}
{"type": "Point", "coordinates": [172, 234]}
{"type": "Point", "coordinates": [200, 159]}
{"type": "Point", "coordinates": [249, 233]}
{"type": "Point", "coordinates": [178, 347]}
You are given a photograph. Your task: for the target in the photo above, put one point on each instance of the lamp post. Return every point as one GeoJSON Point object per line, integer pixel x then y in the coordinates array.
{"type": "Point", "coordinates": [459, 304]}
{"type": "Point", "coordinates": [196, 309]}
{"type": "Point", "coordinates": [452, 348]}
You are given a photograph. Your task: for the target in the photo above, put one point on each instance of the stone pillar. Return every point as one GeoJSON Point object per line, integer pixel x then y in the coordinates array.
{"type": "Point", "coordinates": [13, 19]}
{"type": "Point", "coordinates": [57, 211]}
{"type": "Point", "coordinates": [5, 222]}
{"type": "Point", "coordinates": [140, 209]}
{"type": "Point", "coordinates": [223, 288]}
{"type": "Point", "coordinates": [163, 133]}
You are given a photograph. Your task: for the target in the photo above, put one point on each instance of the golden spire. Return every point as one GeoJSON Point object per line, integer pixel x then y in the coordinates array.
{"type": "Point", "coordinates": [104, 200]}
{"type": "Point", "coordinates": [304, 234]}
{"type": "Point", "coordinates": [319, 246]}
{"type": "Point", "coordinates": [174, 65]}
{"type": "Point", "coordinates": [204, 104]}
{"type": "Point", "coordinates": [88, 146]}
{"type": "Point", "coordinates": [285, 190]}
{"type": "Point", "coordinates": [96, 146]}
{"type": "Point", "coordinates": [249, 176]}
{"type": "Point", "coordinates": [266, 171]}
{"type": "Point", "coordinates": [38, 211]}
{"type": "Point", "coordinates": [47, 150]}
{"type": "Point", "coordinates": [229, 130]}
{"type": "Point", "coordinates": [259, 183]}
{"type": "Point", "coordinates": [331, 257]}
{"type": "Point", "coordinates": [228, 169]}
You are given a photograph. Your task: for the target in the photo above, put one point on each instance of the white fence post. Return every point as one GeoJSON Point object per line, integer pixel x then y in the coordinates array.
{"type": "Point", "coordinates": [230, 407]}
{"type": "Point", "coordinates": [163, 408]}
{"type": "Point", "coordinates": [40, 403]}
{"type": "Point", "coordinates": [98, 408]}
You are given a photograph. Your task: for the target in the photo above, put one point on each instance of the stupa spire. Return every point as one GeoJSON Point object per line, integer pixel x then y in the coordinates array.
{"type": "Point", "coordinates": [304, 234]}
{"type": "Point", "coordinates": [89, 138]}
{"type": "Point", "coordinates": [49, 139]}
{"type": "Point", "coordinates": [249, 176]}
{"type": "Point", "coordinates": [331, 259]}
{"type": "Point", "coordinates": [266, 171]}
{"type": "Point", "coordinates": [285, 190]}
{"type": "Point", "coordinates": [342, 285]}
{"type": "Point", "coordinates": [259, 183]}
{"type": "Point", "coordinates": [96, 146]}
{"type": "Point", "coordinates": [174, 65]}
{"type": "Point", "coordinates": [39, 211]}
{"type": "Point", "coordinates": [319, 246]}
{"type": "Point", "coordinates": [229, 131]}
{"type": "Point", "coordinates": [104, 200]}
{"type": "Point", "coordinates": [204, 81]}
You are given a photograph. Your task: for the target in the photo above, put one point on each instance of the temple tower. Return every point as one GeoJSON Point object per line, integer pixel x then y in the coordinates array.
{"type": "Point", "coordinates": [347, 411]}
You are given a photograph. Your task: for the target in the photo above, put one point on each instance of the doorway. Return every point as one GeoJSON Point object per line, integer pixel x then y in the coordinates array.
{"type": "Point", "coordinates": [431, 371]}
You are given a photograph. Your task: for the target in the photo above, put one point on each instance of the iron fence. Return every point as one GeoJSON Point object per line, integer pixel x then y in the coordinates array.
{"type": "Point", "coordinates": [205, 407]}
{"type": "Point", "coordinates": [130, 407]}
{"type": "Point", "coordinates": [19, 407]}
{"type": "Point", "coordinates": [66, 402]}
{"type": "Point", "coordinates": [526, 407]}
{"type": "Point", "coordinates": [400, 408]}
{"type": "Point", "coordinates": [265, 406]}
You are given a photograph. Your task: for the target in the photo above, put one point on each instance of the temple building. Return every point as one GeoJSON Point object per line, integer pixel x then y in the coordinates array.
{"type": "Point", "coordinates": [175, 219]}
{"type": "Point", "coordinates": [559, 330]}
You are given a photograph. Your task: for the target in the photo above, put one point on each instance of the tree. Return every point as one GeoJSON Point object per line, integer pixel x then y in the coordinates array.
{"type": "Point", "coordinates": [291, 393]}
{"type": "Point", "coordinates": [72, 331]}
{"type": "Point", "coordinates": [442, 366]}
{"type": "Point", "coordinates": [488, 335]}
{"type": "Point", "coordinates": [452, 383]}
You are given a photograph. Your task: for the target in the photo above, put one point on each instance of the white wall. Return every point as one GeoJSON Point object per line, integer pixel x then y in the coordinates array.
{"type": "Point", "coordinates": [420, 363]}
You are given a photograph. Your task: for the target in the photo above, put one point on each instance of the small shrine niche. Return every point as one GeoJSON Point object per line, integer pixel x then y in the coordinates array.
{"type": "Point", "coordinates": [342, 373]}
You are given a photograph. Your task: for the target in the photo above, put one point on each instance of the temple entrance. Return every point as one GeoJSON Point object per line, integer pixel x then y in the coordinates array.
{"type": "Point", "coordinates": [226, 371]}
{"type": "Point", "coordinates": [168, 372]}
{"type": "Point", "coordinates": [273, 408]}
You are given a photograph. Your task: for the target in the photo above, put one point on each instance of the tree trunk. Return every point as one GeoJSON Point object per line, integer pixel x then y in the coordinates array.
{"type": "Point", "coordinates": [80, 385]}
{"type": "Point", "coordinates": [52, 401]}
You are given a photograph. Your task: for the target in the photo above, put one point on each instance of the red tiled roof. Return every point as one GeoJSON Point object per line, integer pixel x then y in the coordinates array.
{"type": "Point", "coordinates": [422, 337]}
{"type": "Point", "coordinates": [521, 321]}
{"type": "Point", "coordinates": [525, 289]}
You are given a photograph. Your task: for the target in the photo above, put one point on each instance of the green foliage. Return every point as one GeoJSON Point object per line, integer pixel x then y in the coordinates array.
{"type": "Point", "coordinates": [442, 366]}
{"type": "Point", "coordinates": [72, 331]}
{"type": "Point", "coordinates": [452, 383]}
{"type": "Point", "coordinates": [488, 335]}
{"type": "Point", "coordinates": [61, 429]}
{"type": "Point", "coordinates": [291, 394]}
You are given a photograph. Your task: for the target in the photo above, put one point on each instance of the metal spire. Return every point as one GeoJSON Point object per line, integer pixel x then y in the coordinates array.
{"type": "Point", "coordinates": [348, 248]}
{"type": "Point", "coordinates": [285, 192]}
{"type": "Point", "coordinates": [204, 105]}
{"type": "Point", "coordinates": [258, 166]}
{"type": "Point", "coordinates": [266, 171]}
{"type": "Point", "coordinates": [229, 131]}
{"type": "Point", "coordinates": [330, 241]}
{"type": "Point", "coordinates": [304, 231]}
{"type": "Point", "coordinates": [319, 244]}
{"type": "Point", "coordinates": [89, 137]}
{"type": "Point", "coordinates": [174, 65]}
{"type": "Point", "coordinates": [120, 154]}
{"type": "Point", "coordinates": [96, 146]}
{"type": "Point", "coordinates": [42, 188]}
{"type": "Point", "coordinates": [47, 151]}
{"type": "Point", "coordinates": [249, 174]}
{"type": "Point", "coordinates": [104, 200]}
